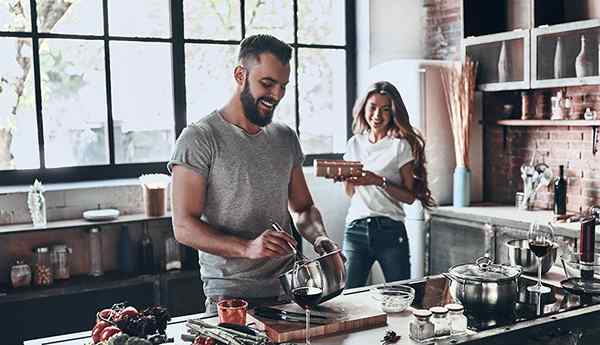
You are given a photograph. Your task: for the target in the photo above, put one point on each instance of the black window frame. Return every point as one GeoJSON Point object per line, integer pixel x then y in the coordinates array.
{"type": "Point", "coordinates": [178, 42]}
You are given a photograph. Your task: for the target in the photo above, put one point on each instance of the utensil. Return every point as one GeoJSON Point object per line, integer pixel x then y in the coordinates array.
{"type": "Point", "coordinates": [519, 254]}
{"type": "Point", "coordinates": [281, 315]}
{"type": "Point", "coordinates": [393, 298]}
{"type": "Point", "coordinates": [333, 272]}
{"type": "Point", "coordinates": [289, 313]}
{"type": "Point", "coordinates": [484, 286]}
{"type": "Point", "coordinates": [299, 255]}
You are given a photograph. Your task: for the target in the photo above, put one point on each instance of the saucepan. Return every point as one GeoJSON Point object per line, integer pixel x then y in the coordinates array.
{"type": "Point", "coordinates": [333, 272]}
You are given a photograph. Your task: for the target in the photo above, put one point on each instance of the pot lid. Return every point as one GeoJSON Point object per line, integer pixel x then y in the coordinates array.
{"type": "Point", "coordinates": [485, 271]}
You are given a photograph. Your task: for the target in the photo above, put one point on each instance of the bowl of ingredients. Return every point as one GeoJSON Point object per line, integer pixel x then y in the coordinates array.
{"type": "Point", "coordinates": [393, 298]}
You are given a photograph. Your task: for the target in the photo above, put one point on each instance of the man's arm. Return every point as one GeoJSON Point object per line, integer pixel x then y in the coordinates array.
{"type": "Point", "coordinates": [187, 196]}
{"type": "Point", "coordinates": [306, 216]}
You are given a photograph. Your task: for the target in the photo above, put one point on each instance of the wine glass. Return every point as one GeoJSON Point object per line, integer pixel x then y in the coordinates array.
{"type": "Point", "coordinates": [307, 289]}
{"type": "Point", "coordinates": [541, 241]}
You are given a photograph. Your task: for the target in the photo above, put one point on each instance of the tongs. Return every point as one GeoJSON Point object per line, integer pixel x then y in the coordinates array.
{"type": "Point", "coordinates": [299, 255]}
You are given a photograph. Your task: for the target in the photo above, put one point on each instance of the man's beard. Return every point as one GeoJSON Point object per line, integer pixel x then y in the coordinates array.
{"type": "Point", "coordinates": [250, 107]}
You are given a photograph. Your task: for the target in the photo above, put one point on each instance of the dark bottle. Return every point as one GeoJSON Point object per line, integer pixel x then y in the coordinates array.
{"type": "Point", "coordinates": [126, 263]}
{"type": "Point", "coordinates": [146, 253]}
{"type": "Point", "coordinates": [560, 193]}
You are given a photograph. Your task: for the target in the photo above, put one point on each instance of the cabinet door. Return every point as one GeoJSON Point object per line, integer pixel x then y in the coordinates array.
{"type": "Point", "coordinates": [454, 241]}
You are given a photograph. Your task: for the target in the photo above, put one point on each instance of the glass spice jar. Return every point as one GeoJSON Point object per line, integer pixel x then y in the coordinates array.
{"type": "Point", "coordinates": [20, 274]}
{"type": "Point", "coordinates": [42, 267]}
{"type": "Point", "coordinates": [440, 321]}
{"type": "Point", "coordinates": [60, 261]}
{"type": "Point", "coordinates": [420, 326]}
{"type": "Point", "coordinates": [458, 321]}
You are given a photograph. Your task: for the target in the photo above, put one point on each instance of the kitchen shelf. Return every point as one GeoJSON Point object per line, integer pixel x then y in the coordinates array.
{"type": "Point", "coordinates": [84, 283]}
{"type": "Point", "coordinates": [79, 223]}
{"type": "Point", "coordinates": [552, 123]}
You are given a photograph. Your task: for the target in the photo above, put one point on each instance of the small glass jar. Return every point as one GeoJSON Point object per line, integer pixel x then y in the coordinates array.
{"type": "Point", "coordinates": [20, 274]}
{"type": "Point", "coordinates": [440, 321]}
{"type": "Point", "coordinates": [60, 261]}
{"type": "Point", "coordinates": [96, 252]}
{"type": "Point", "coordinates": [420, 326]}
{"type": "Point", "coordinates": [42, 267]}
{"type": "Point", "coordinates": [458, 321]}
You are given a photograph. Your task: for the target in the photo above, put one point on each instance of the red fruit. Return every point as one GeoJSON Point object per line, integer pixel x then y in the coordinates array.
{"type": "Point", "coordinates": [126, 313]}
{"type": "Point", "coordinates": [109, 332]}
{"type": "Point", "coordinates": [97, 330]}
{"type": "Point", "coordinates": [210, 341]}
{"type": "Point", "coordinates": [106, 314]}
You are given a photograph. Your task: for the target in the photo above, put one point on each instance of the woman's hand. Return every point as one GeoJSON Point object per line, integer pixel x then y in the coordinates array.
{"type": "Point", "coordinates": [367, 178]}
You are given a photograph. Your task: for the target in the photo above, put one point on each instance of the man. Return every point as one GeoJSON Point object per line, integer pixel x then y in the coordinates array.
{"type": "Point", "coordinates": [235, 173]}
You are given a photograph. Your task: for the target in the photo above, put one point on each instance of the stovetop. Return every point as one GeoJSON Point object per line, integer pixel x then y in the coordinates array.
{"type": "Point", "coordinates": [435, 292]}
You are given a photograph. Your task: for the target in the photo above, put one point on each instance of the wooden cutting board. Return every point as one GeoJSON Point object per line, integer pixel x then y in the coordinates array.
{"type": "Point", "coordinates": [347, 313]}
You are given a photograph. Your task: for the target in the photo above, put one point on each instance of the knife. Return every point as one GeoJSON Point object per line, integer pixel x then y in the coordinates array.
{"type": "Point", "coordinates": [313, 314]}
{"type": "Point", "coordinates": [290, 318]}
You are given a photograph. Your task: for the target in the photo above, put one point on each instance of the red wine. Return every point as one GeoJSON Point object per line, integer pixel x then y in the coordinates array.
{"type": "Point", "coordinates": [540, 249]}
{"type": "Point", "coordinates": [307, 296]}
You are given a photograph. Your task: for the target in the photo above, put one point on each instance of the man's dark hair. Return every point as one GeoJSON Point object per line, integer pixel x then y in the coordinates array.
{"type": "Point", "coordinates": [253, 46]}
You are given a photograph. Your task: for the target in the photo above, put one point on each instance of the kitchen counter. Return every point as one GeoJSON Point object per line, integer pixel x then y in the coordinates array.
{"type": "Point", "coordinates": [519, 333]}
{"type": "Point", "coordinates": [504, 215]}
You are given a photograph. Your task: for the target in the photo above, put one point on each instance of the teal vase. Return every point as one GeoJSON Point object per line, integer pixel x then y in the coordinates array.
{"type": "Point", "coordinates": [461, 192]}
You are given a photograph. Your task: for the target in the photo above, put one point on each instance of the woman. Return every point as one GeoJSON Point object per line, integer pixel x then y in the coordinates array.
{"type": "Point", "coordinates": [393, 157]}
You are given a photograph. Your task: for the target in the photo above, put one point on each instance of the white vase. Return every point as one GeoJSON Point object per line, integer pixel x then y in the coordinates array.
{"type": "Point", "coordinates": [559, 70]}
{"type": "Point", "coordinates": [503, 64]}
{"type": "Point", "coordinates": [583, 64]}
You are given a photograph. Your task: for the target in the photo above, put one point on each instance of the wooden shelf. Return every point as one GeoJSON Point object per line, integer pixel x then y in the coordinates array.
{"type": "Point", "coordinates": [79, 223]}
{"type": "Point", "coordinates": [549, 123]}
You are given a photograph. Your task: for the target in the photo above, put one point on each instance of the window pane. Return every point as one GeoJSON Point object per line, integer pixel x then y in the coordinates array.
{"type": "Point", "coordinates": [70, 17]}
{"type": "Point", "coordinates": [139, 18]}
{"type": "Point", "coordinates": [208, 77]}
{"type": "Point", "coordinates": [322, 87]}
{"type": "Point", "coordinates": [18, 129]}
{"type": "Point", "coordinates": [74, 102]}
{"type": "Point", "coordinates": [286, 109]}
{"type": "Point", "coordinates": [142, 98]}
{"type": "Point", "coordinates": [270, 17]}
{"type": "Point", "coordinates": [218, 20]}
{"type": "Point", "coordinates": [15, 15]}
{"type": "Point", "coordinates": [322, 22]}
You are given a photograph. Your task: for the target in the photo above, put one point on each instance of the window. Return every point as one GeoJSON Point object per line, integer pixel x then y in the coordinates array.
{"type": "Point", "coordinates": [100, 89]}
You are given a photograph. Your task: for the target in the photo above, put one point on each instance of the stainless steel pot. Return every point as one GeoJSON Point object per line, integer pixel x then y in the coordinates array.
{"type": "Point", "coordinates": [520, 254]}
{"type": "Point", "coordinates": [484, 286]}
{"type": "Point", "coordinates": [333, 272]}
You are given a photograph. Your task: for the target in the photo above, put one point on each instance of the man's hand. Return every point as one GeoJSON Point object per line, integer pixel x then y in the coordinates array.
{"type": "Point", "coordinates": [270, 244]}
{"type": "Point", "coordinates": [324, 245]}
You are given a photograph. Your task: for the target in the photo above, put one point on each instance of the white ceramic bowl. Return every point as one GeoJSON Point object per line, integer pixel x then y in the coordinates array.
{"type": "Point", "coordinates": [393, 298]}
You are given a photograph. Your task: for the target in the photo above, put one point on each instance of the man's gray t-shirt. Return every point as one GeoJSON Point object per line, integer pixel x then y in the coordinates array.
{"type": "Point", "coordinates": [247, 189]}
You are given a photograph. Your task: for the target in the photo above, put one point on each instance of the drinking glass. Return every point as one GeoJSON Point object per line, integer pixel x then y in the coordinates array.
{"type": "Point", "coordinates": [541, 241]}
{"type": "Point", "coordinates": [307, 289]}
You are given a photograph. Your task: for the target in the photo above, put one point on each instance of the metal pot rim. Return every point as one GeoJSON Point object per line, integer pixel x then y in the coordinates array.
{"type": "Point", "coordinates": [313, 260]}
{"type": "Point", "coordinates": [452, 274]}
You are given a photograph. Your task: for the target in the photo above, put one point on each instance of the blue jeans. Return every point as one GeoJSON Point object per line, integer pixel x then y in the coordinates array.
{"type": "Point", "coordinates": [376, 239]}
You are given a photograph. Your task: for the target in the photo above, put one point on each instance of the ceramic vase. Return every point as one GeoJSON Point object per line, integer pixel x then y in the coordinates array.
{"type": "Point", "coordinates": [461, 191]}
{"type": "Point", "coordinates": [503, 64]}
{"type": "Point", "coordinates": [583, 64]}
{"type": "Point", "coordinates": [559, 70]}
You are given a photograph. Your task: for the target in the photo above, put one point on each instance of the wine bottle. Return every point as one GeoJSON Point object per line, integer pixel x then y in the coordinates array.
{"type": "Point", "coordinates": [146, 253]}
{"type": "Point", "coordinates": [560, 193]}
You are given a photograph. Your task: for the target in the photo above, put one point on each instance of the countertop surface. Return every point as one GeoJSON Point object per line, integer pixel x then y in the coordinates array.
{"type": "Point", "coordinates": [504, 215]}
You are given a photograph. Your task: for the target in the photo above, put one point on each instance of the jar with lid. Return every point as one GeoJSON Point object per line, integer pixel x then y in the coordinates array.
{"type": "Point", "coordinates": [458, 321]}
{"type": "Point", "coordinates": [96, 252]}
{"type": "Point", "coordinates": [42, 267]}
{"type": "Point", "coordinates": [420, 326]}
{"type": "Point", "coordinates": [441, 324]}
{"type": "Point", "coordinates": [20, 274]}
{"type": "Point", "coordinates": [60, 261]}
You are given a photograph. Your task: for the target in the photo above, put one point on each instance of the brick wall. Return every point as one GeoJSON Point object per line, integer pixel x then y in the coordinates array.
{"type": "Point", "coordinates": [568, 146]}
{"type": "Point", "coordinates": [443, 29]}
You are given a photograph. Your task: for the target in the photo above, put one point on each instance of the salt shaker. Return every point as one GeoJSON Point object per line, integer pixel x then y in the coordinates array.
{"type": "Point", "coordinates": [440, 321]}
{"type": "Point", "coordinates": [420, 326]}
{"type": "Point", "coordinates": [458, 321]}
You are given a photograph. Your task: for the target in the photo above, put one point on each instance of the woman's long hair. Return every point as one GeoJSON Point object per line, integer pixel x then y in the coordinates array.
{"type": "Point", "coordinates": [399, 127]}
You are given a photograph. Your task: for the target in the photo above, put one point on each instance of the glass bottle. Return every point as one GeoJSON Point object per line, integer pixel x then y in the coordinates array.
{"type": "Point", "coordinates": [146, 253]}
{"type": "Point", "coordinates": [42, 267]}
{"type": "Point", "coordinates": [126, 264]}
{"type": "Point", "coordinates": [420, 326]}
{"type": "Point", "coordinates": [560, 193]}
{"type": "Point", "coordinates": [458, 321]}
{"type": "Point", "coordinates": [96, 252]}
{"type": "Point", "coordinates": [60, 261]}
{"type": "Point", "coordinates": [172, 253]}
{"type": "Point", "coordinates": [441, 324]}
{"type": "Point", "coordinates": [20, 274]}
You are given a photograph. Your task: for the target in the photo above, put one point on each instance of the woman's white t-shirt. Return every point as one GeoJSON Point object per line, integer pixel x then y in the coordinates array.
{"type": "Point", "coordinates": [384, 158]}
